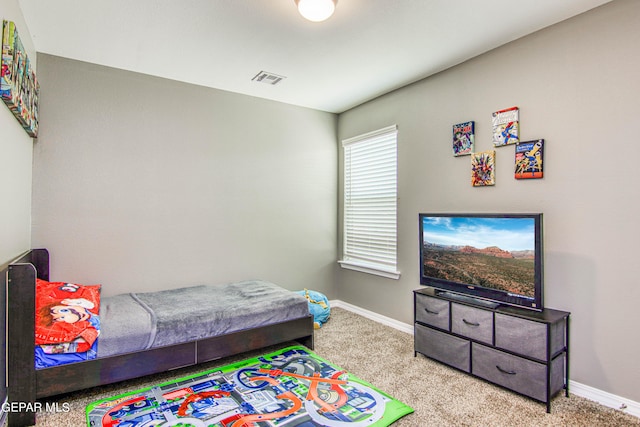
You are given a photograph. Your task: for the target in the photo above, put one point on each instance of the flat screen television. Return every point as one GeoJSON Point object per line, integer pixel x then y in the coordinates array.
{"type": "Point", "coordinates": [493, 258]}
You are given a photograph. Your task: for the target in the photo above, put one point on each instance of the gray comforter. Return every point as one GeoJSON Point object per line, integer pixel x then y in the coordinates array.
{"type": "Point", "coordinates": [138, 321]}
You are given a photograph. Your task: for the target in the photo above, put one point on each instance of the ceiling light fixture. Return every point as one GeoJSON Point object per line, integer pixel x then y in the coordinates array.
{"type": "Point", "coordinates": [316, 10]}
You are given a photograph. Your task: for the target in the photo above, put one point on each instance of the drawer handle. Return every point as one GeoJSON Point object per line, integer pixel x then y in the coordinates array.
{"type": "Point", "coordinates": [470, 323]}
{"type": "Point", "coordinates": [430, 311]}
{"type": "Point", "coordinates": [504, 371]}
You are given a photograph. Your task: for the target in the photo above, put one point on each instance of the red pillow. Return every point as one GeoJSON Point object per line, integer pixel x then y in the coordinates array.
{"type": "Point", "coordinates": [66, 312]}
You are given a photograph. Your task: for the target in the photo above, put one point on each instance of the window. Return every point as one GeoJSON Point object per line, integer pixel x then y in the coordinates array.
{"type": "Point", "coordinates": [370, 203]}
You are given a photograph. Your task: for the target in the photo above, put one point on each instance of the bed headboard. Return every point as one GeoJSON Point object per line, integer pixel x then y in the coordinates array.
{"type": "Point", "coordinates": [20, 296]}
{"type": "Point", "coordinates": [39, 258]}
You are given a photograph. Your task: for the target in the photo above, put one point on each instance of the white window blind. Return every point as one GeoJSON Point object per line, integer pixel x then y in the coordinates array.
{"type": "Point", "coordinates": [370, 202]}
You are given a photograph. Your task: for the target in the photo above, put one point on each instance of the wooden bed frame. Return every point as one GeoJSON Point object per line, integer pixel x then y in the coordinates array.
{"type": "Point", "coordinates": [25, 384]}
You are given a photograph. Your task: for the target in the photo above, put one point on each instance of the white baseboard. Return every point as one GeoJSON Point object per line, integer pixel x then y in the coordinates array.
{"type": "Point", "coordinates": [401, 326]}
{"type": "Point", "coordinates": [602, 397]}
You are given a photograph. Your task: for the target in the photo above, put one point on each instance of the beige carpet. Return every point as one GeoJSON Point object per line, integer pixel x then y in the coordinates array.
{"type": "Point", "coordinates": [383, 356]}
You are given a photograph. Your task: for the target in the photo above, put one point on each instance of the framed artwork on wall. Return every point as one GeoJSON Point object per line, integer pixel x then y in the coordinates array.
{"type": "Point", "coordinates": [506, 126]}
{"type": "Point", "coordinates": [18, 84]}
{"type": "Point", "coordinates": [528, 161]}
{"type": "Point", "coordinates": [463, 138]}
{"type": "Point", "coordinates": [483, 168]}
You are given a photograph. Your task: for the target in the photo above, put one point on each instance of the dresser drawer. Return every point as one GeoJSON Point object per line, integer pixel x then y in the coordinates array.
{"type": "Point", "coordinates": [521, 336]}
{"type": "Point", "coordinates": [432, 311]}
{"type": "Point", "coordinates": [518, 374]}
{"type": "Point", "coordinates": [472, 322]}
{"type": "Point", "coordinates": [445, 348]}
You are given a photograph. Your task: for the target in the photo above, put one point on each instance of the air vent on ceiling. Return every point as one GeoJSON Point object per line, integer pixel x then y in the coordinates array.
{"type": "Point", "coordinates": [268, 78]}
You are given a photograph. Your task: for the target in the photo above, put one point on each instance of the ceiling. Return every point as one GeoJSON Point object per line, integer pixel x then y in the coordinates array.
{"type": "Point", "coordinates": [367, 48]}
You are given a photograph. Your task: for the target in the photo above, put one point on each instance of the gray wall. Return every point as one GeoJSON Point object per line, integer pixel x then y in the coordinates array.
{"type": "Point", "coordinates": [577, 86]}
{"type": "Point", "coordinates": [16, 148]}
{"type": "Point", "coordinates": [142, 183]}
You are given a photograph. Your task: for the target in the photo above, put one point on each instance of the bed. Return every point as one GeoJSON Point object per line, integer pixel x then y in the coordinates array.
{"type": "Point", "coordinates": [157, 350]}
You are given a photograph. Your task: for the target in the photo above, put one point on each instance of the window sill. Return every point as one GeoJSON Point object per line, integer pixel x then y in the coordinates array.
{"type": "Point", "coordinates": [350, 265]}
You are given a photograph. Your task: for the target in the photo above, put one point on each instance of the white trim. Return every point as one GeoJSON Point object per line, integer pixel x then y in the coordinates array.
{"type": "Point", "coordinates": [350, 265]}
{"type": "Point", "coordinates": [599, 396]}
{"type": "Point", "coordinates": [383, 131]}
{"type": "Point", "coordinates": [604, 398]}
{"type": "Point", "coordinates": [396, 324]}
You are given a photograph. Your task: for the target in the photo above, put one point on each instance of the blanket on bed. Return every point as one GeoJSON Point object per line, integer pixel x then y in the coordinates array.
{"type": "Point", "coordinates": [139, 321]}
{"type": "Point", "coordinates": [67, 322]}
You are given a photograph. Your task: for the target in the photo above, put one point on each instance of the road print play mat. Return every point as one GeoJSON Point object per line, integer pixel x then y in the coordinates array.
{"type": "Point", "coordinates": [290, 387]}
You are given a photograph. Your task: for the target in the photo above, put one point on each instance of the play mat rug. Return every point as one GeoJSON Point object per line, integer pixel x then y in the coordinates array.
{"type": "Point", "coordinates": [290, 387]}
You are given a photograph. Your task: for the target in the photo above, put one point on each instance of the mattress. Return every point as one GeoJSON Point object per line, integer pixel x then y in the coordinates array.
{"type": "Point", "coordinates": [139, 321]}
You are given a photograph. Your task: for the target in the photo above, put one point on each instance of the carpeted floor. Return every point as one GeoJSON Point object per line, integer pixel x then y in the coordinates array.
{"type": "Point", "coordinates": [383, 356]}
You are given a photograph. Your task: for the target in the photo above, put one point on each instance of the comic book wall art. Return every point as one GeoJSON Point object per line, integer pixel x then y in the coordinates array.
{"type": "Point", "coordinates": [506, 126]}
{"type": "Point", "coordinates": [18, 84]}
{"type": "Point", "coordinates": [528, 161]}
{"type": "Point", "coordinates": [483, 168]}
{"type": "Point", "coordinates": [463, 138]}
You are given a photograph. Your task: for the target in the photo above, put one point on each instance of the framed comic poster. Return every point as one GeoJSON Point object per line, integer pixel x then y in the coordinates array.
{"type": "Point", "coordinates": [463, 138]}
{"type": "Point", "coordinates": [528, 162]}
{"type": "Point", "coordinates": [506, 126]}
{"type": "Point", "coordinates": [18, 85]}
{"type": "Point", "coordinates": [483, 168]}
